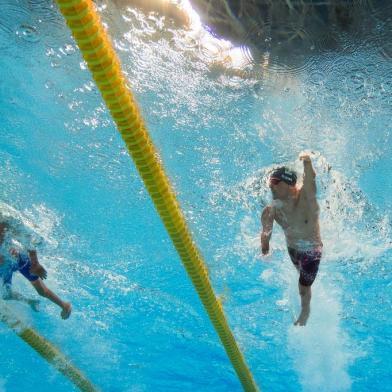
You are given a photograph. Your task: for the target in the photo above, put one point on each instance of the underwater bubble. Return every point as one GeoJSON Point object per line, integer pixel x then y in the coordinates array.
{"type": "Point", "coordinates": [28, 33]}
{"type": "Point", "coordinates": [68, 49]}
{"type": "Point", "coordinates": [55, 63]}
{"type": "Point", "coordinates": [52, 27]}
{"type": "Point", "coordinates": [49, 84]}
{"type": "Point", "coordinates": [317, 77]}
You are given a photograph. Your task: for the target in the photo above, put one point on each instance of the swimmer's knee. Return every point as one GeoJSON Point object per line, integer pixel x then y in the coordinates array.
{"type": "Point", "coordinates": [304, 290]}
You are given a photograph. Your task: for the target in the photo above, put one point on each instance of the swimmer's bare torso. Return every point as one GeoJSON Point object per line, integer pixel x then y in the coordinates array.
{"type": "Point", "coordinates": [296, 210]}
{"type": "Point", "coordinates": [299, 219]}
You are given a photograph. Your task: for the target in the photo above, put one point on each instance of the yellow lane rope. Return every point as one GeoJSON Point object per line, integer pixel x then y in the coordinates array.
{"type": "Point", "coordinates": [105, 67]}
{"type": "Point", "coordinates": [46, 349]}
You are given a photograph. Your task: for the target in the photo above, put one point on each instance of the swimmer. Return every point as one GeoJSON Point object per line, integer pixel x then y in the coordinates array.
{"type": "Point", "coordinates": [296, 210]}
{"type": "Point", "coordinates": [15, 257]}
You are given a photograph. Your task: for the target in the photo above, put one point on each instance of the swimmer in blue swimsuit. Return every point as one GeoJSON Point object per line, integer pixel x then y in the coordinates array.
{"type": "Point", "coordinates": [14, 258]}
{"type": "Point", "coordinates": [296, 210]}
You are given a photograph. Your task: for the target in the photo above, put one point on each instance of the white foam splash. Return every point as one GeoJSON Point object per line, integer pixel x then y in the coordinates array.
{"type": "Point", "coordinates": [36, 224]}
{"type": "Point", "coordinates": [352, 229]}
{"type": "Point", "coordinates": [321, 351]}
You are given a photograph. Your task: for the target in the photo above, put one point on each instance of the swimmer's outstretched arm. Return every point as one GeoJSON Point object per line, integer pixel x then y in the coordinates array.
{"type": "Point", "coordinates": [267, 220]}
{"type": "Point", "coordinates": [309, 174]}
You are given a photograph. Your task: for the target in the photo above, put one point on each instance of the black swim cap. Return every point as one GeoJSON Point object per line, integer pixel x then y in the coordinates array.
{"type": "Point", "coordinates": [284, 174]}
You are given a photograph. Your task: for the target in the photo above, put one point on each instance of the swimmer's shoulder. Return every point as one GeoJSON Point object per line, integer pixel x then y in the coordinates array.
{"type": "Point", "coordinates": [276, 205]}
{"type": "Point", "coordinates": [268, 212]}
{"type": "Point", "coordinates": [271, 211]}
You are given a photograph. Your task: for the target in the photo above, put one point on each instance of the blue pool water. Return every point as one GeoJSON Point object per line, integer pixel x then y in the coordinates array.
{"type": "Point", "coordinates": [137, 323]}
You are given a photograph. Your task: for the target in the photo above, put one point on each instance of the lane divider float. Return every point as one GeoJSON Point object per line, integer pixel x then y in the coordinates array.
{"type": "Point", "coordinates": [97, 50]}
{"type": "Point", "coordinates": [46, 349]}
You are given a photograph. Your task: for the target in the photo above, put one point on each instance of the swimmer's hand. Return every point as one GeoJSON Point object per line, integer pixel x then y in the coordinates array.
{"type": "Point", "coordinates": [304, 157]}
{"type": "Point", "coordinates": [38, 270]}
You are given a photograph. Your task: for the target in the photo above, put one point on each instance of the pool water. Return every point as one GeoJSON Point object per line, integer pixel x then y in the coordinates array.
{"type": "Point", "coordinates": [137, 323]}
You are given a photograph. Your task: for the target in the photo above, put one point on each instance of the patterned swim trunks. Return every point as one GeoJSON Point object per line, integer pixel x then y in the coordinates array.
{"type": "Point", "coordinates": [307, 262]}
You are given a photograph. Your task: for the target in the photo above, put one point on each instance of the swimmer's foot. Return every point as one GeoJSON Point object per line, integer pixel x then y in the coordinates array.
{"type": "Point", "coordinates": [66, 312]}
{"type": "Point", "coordinates": [34, 304]}
{"type": "Point", "coordinates": [303, 317]}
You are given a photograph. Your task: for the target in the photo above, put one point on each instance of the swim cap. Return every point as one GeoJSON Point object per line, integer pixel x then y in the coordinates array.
{"type": "Point", "coordinates": [284, 174]}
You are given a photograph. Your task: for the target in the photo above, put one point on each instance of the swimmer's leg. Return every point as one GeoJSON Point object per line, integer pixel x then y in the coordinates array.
{"type": "Point", "coordinates": [10, 294]}
{"type": "Point", "coordinates": [42, 290]}
{"type": "Point", "coordinates": [306, 294]}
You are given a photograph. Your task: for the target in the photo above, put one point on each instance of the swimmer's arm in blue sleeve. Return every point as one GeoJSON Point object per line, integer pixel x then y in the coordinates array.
{"type": "Point", "coordinates": [267, 221]}
{"type": "Point", "coordinates": [36, 267]}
